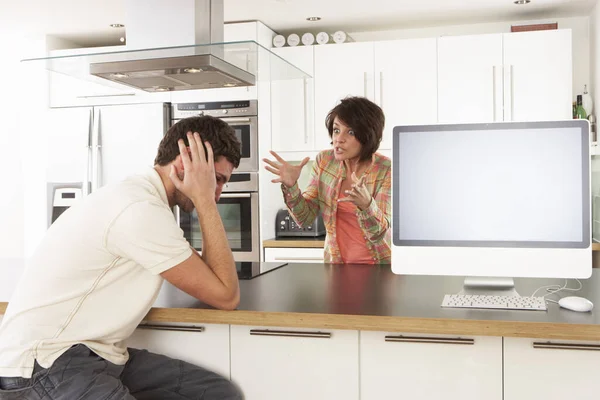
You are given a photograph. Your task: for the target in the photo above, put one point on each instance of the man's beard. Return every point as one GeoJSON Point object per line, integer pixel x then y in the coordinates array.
{"type": "Point", "coordinates": [184, 202]}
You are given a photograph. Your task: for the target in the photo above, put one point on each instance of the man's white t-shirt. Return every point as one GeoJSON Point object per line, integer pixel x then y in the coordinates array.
{"type": "Point", "coordinates": [94, 276]}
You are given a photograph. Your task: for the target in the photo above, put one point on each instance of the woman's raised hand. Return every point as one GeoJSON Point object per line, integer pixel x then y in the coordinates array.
{"type": "Point", "coordinates": [287, 173]}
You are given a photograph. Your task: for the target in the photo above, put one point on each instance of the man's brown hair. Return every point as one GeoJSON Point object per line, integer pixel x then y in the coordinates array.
{"type": "Point", "coordinates": [217, 132]}
{"type": "Point", "coordinates": [366, 120]}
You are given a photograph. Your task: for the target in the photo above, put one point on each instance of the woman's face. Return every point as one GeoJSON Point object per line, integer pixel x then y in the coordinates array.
{"type": "Point", "coordinates": [345, 144]}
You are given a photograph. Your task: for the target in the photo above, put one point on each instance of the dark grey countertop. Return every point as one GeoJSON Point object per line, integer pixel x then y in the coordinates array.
{"type": "Point", "coordinates": [372, 297]}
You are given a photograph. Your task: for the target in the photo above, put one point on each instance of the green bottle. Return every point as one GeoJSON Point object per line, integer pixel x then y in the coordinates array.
{"type": "Point", "coordinates": [580, 111]}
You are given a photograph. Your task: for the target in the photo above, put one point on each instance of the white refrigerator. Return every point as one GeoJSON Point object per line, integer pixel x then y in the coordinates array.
{"type": "Point", "coordinates": [81, 149]}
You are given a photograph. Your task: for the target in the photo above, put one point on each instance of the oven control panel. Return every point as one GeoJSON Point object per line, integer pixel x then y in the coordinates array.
{"type": "Point", "coordinates": [237, 108]}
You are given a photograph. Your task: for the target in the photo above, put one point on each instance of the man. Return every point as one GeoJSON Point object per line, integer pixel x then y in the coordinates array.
{"type": "Point", "coordinates": [100, 267]}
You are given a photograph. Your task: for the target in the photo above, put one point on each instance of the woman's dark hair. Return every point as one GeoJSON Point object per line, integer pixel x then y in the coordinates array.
{"type": "Point", "coordinates": [218, 133]}
{"type": "Point", "coordinates": [366, 120]}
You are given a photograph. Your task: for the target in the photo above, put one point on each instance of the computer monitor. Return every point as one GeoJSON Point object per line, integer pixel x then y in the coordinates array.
{"type": "Point", "coordinates": [509, 199]}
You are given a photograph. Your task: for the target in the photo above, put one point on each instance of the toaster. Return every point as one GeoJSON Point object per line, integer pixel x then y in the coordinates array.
{"type": "Point", "coordinates": [285, 226]}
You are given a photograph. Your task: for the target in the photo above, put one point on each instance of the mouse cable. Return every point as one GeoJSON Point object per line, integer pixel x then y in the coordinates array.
{"type": "Point", "coordinates": [553, 289]}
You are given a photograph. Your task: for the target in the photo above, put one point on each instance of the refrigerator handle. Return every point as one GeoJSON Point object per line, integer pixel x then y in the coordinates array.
{"type": "Point", "coordinates": [97, 164]}
{"type": "Point", "coordinates": [88, 158]}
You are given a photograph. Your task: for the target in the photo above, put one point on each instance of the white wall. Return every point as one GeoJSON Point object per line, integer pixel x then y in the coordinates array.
{"type": "Point", "coordinates": [580, 27]}
{"type": "Point", "coordinates": [11, 192]}
{"type": "Point", "coordinates": [23, 97]}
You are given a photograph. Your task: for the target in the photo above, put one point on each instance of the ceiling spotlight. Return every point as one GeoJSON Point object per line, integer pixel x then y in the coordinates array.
{"type": "Point", "coordinates": [162, 88]}
{"type": "Point", "coordinates": [192, 70]}
{"type": "Point", "coordinates": [229, 84]}
{"type": "Point", "coordinates": [520, 2]}
{"type": "Point", "coordinates": [117, 26]}
{"type": "Point", "coordinates": [313, 19]}
{"type": "Point", "coordinates": [122, 39]}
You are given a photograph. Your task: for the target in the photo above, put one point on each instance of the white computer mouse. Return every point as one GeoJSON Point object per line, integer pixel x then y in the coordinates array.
{"type": "Point", "coordinates": [575, 303]}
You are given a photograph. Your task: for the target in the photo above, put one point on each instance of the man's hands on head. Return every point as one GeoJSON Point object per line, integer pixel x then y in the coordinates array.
{"type": "Point", "coordinates": [199, 183]}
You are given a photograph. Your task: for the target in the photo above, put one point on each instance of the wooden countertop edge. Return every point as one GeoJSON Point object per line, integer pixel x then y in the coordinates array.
{"type": "Point", "coordinates": [534, 330]}
{"type": "Point", "coordinates": [377, 323]}
{"type": "Point", "coordinates": [313, 244]}
{"type": "Point", "coordinates": [595, 246]}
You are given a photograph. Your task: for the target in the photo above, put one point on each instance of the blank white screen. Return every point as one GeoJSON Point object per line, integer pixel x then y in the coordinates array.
{"type": "Point", "coordinates": [491, 185]}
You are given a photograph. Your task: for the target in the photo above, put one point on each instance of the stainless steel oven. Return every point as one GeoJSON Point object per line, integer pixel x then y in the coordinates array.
{"type": "Point", "coordinates": [239, 114]}
{"type": "Point", "coordinates": [238, 207]}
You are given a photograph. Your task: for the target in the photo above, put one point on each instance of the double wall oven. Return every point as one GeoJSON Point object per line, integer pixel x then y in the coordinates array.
{"type": "Point", "coordinates": [238, 205]}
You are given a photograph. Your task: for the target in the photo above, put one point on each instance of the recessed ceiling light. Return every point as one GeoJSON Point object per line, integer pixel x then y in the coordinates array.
{"type": "Point", "coordinates": [192, 70]}
{"type": "Point", "coordinates": [117, 26]}
{"type": "Point", "coordinates": [229, 84]}
{"type": "Point", "coordinates": [162, 88]}
{"type": "Point", "coordinates": [122, 39]}
{"type": "Point", "coordinates": [520, 2]}
{"type": "Point", "coordinates": [118, 75]}
{"type": "Point", "coordinates": [313, 19]}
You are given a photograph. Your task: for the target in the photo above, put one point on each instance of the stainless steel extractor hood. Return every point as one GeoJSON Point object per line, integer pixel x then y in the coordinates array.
{"type": "Point", "coordinates": [204, 71]}
{"type": "Point", "coordinates": [204, 68]}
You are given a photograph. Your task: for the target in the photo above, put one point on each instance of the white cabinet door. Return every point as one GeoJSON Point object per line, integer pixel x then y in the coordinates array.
{"type": "Point", "coordinates": [538, 75]}
{"type": "Point", "coordinates": [470, 78]}
{"type": "Point", "coordinates": [206, 345]}
{"type": "Point", "coordinates": [341, 70]}
{"type": "Point", "coordinates": [294, 254]}
{"type": "Point", "coordinates": [127, 139]}
{"type": "Point", "coordinates": [550, 369]}
{"type": "Point", "coordinates": [291, 363]}
{"type": "Point", "coordinates": [292, 105]}
{"type": "Point", "coordinates": [424, 367]}
{"type": "Point", "coordinates": [406, 83]}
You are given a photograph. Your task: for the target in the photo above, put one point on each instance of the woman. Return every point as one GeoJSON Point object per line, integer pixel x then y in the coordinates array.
{"type": "Point", "coordinates": [350, 184]}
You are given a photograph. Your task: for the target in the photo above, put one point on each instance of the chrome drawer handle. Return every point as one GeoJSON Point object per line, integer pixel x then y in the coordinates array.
{"type": "Point", "coordinates": [565, 346]}
{"type": "Point", "coordinates": [422, 339]}
{"type": "Point", "coordinates": [268, 332]}
{"type": "Point", "coordinates": [172, 328]}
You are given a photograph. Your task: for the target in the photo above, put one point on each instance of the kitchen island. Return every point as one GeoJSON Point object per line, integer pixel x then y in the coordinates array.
{"type": "Point", "coordinates": [333, 331]}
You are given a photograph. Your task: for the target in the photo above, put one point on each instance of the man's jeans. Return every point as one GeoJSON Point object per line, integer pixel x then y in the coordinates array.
{"type": "Point", "coordinates": [81, 374]}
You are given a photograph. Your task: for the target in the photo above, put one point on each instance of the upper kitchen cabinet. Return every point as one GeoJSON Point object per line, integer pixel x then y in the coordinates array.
{"type": "Point", "coordinates": [538, 75]}
{"type": "Point", "coordinates": [292, 112]}
{"type": "Point", "coordinates": [340, 70]}
{"type": "Point", "coordinates": [406, 83]}
{"type": "Point", "coordinates": [470, 78]}
{"type": "Point", "coordinates": [400, 76]}
{"type": "Point", "coordinates": [505, 77]}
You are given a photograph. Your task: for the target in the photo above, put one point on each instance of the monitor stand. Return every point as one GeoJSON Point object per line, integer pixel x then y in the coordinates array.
{"type": "Point", "coordinates": [495, 286]}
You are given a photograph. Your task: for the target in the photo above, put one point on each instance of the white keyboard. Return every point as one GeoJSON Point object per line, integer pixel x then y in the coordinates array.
{"type": "Point", "coordinates": [494, 302]}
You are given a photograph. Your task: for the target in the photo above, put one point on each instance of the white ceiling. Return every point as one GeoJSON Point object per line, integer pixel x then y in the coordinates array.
{"type": "Point", "coordinates": [86, 22]}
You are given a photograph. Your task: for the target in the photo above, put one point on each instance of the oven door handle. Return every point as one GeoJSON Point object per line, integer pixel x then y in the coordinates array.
{"type": "Point", "coordinates": [236, 195]}
{"type": "Point", "coordinates": [235, 119]}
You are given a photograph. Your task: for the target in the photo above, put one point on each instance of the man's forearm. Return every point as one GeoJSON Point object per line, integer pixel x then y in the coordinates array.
{"type": "Point", "coordinates": [215, 246]}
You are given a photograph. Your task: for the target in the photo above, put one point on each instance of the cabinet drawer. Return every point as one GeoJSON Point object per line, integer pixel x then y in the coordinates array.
{"type": "Point", "coordinates": [551, 369]}
{"type": "Point", "coordinates": [294, 254]}
{"type": "Point", "coordinates": [418, 366]}
{"type": "Point", "coordinates": [294, 363]}
{"type": "Point", "coordinates": [204, 345]}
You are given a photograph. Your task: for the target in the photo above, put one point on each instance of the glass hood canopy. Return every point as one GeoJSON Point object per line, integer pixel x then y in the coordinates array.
{"type": "Point", "coordinates": [206, 66]}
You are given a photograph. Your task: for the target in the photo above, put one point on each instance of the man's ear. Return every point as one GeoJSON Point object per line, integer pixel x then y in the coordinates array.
{"type": "Point", "coordinates": [178, 163]}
